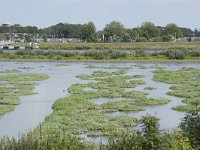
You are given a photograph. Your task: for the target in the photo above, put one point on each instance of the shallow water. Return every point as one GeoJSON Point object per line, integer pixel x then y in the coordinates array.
{"type": "Point", "coordinates": [169, 118]}
{"type": "Point", "coordinates": [34, 108]}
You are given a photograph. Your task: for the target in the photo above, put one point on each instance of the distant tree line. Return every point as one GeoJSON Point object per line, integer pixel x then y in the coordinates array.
{"type": "Point", "coordinates": [112, 32]}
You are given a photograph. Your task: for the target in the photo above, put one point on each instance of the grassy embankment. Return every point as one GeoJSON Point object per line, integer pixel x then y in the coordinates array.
{"type": "Point", "coordinates": [108, 52]}
{"type": "Point", "coordinates": [12, 86]}
{"type": "Point", "coordinates": [186, 84]}
{"type": "Point", "coordinates": [102, 55]}
{"type": "Point", "coordinates": [119, 46]}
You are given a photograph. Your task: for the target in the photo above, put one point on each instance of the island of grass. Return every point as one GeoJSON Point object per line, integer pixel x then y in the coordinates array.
{"type": "Point", "coordinates": [12, 86]}
{"type": "Point", "coordinates": [186, 85]}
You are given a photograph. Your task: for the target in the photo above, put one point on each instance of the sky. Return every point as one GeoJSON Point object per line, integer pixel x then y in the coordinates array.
{"type": "Point", "coordinates": [131, 13]}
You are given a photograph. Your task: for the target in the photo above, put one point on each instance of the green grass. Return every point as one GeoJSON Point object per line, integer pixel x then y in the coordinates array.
{"type": "Point", "coordinates": [149, 88]}
{"type": "Point", "coordinates": [62, 65]}
{"type": "Point", "coordinates": [42, 141]}
{"type": "Point", "coordinates": [11, 71]}
{"type": "Point", "coordinates": [12, 86]}
{"type": "Point", "coordinates": [123, 46]}
{"type": "Point", "coordinates": [186, 85]}
{"type": "Point", "coordinates": [101, 56]}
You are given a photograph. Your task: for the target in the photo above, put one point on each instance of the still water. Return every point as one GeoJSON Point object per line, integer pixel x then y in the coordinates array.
{"type": "Point", "coordinates": [34, 108]}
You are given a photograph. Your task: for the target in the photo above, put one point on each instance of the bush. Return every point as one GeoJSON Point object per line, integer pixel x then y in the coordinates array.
{"type": "Point", "coordinates": [149, 138]}
{"type": "Point", "coordinates": [117, 54]}
{"type": "Point", "coordinates": [157, 39]}
{"type": "Point", "coordinates": [166, 38]}
{"type": "Point", "coordinates": [141, 39]}
{"type": "Point", "coordinates": [24, 52]}
{"type": "Point", "coordinates": [1, 51]}
{"type": "Point", "coordinates": [190, 125]}
{"type": "Point", "coordinates": [140, 53]}
{"type": "Point", "coordinates": [176, 54]}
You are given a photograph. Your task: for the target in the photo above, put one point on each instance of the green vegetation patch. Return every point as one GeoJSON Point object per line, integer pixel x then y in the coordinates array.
{"type": "Point", "coordinates": [77, 114]}
{"type": "Point", "coordinates": [149, 88]}
{"type": "Point", "coordinates": [12, 86]}
{"type": "Point", "coordinates": [62, 65]}
{"type": "Point", "coordinates": [186, 84]}
{"type": "Point", "coordinates": [11, 71]}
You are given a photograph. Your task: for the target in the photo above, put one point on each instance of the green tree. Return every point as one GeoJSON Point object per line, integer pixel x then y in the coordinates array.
{"type": "Point", "coordinates": [114, 30]}
{"type": "Point", "coordinates": [179, 141]}
{"type": "Point", "coordinates": [196, 32]}
{"type": "Point", "coordinates": [5, 29]}
{"type": "Point", "coordinates": [2, 37]}
{"type": "Point", "coordinates": [151, 133]}
{"type": "Point", "coordinates": [172, 30]}
{"type": "Point", "coordinates": [88, 32]}
{"type": "Point", "coordinates": [132, 33]}
{"type": "Point", "coordinates": [149, 30]}
{"type": "Point", "coordinates": [190, 125]}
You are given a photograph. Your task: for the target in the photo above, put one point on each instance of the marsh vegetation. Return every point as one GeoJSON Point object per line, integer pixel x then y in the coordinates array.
{"type": "Point", "coordinates": [103, 55]}
{"type": "Point", "coordinates": [98, 94]}
{"type": "Point", "coordinates": [13, 86]}
{"type": "Point", "coordinates": [185, 84]}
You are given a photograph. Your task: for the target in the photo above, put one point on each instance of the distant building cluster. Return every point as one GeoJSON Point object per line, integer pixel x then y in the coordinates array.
{"type": "Point", "coordinates": [8, 25]}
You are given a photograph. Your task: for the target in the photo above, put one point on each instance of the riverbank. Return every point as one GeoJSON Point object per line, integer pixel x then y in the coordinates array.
{"type": "Point", "coordinates": [102, 56]}
{"type": "Point", "coordinates": [118, 46]}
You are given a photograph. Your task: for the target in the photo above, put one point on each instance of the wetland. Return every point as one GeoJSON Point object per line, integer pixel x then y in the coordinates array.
{"type": "Point", "coordinates": [95, 100]}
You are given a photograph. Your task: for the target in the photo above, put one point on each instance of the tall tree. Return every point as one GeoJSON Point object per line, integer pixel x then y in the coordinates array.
{"type": "Point", "coordinates": [114, 29]}
{"type": "Point", "coordinates": [150, 30]}
{"type": "Point", "coordinates": [173, 30]}
{"type": "Point", "coordinates": [88, 32]}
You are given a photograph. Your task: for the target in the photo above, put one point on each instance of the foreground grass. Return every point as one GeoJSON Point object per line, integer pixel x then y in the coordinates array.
{"type": "Point", "coordinates": [12, 86]}
{"type": "Point", "coordinates": [150, 138]}
{"type": "Point", "coordinates": [43, 141]}
{"type": "Point", "coordinates": [186, 84]}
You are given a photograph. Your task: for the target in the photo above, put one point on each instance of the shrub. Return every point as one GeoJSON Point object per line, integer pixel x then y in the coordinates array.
{"type": "Point", "coordinates": [190, 125]}
{"type": "Point", "coordinates": [141, 39]}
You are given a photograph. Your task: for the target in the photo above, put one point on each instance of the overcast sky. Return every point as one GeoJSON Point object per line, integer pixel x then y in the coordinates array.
{"type": "Point", "coordinates": [131, 13]}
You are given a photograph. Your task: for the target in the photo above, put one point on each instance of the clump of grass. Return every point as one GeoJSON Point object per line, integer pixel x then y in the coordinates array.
{"type": "Point", "coordinates": [149, 88]}
{"type": "Point", "coordinates": [62, 65]}
{"type": "Point", "coordinates": [43, 141]}
{"type": "Point", "coordinates": [185, 85]}
{"type": "Point", "coordinates": [12, 86]}
{"type": "Point", "coordinates": [11, 71]}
